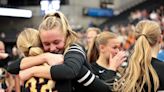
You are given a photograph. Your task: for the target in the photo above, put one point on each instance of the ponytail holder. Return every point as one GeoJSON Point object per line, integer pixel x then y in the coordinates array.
{"type": "Point", "coordinates": [30, 47]}
{"type": "Point", "coordinates": [143, 35]}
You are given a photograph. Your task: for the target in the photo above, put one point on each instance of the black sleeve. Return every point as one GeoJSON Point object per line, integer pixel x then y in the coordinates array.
{"type": "Point", "coordinates": [4, 62]}
{"type": "Point", "coordinates": [14, 67]}
{"type": "Point", "coordinates": [73, 61]}
{"type": "Point", "coordinates": [88, 79]}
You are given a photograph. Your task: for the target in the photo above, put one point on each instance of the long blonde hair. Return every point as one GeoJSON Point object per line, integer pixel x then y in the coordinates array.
{"type": "Point", "coordinates": [57, 19]}
{"type": "Point", "coordinates": [102, 38]}
{"type": "Point", "coordinates": [29, 43]}
{"type": "Point", "coordinates": [140, 70]}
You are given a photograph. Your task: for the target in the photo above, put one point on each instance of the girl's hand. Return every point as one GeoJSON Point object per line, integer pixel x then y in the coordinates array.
{"type": "Point", "coordinates": [117, 60]}
{"type": "Point", "coordinates": [54, 59]}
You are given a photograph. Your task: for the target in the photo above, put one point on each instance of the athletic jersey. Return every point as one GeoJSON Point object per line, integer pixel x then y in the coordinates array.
{"type": "Point", "coordinates": [36, 84]}
{"type": "Point", "coordinates": [103, 73]}
{"type": "Point", "coordinates": [76, 73]}
{"type": "Point", "coordinates": [74, 59]}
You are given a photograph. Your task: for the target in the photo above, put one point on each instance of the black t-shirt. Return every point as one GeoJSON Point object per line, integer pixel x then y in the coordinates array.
{"type": "Point", "coordinates": [102, 72]}
{"type": "Point", "coordinates": [159, 68]}
{"type": "Point", "coordinates": [4, 62]}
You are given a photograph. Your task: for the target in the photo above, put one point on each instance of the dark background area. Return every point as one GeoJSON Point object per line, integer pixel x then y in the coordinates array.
{"type": "Point", "coordinates": [15, 3]}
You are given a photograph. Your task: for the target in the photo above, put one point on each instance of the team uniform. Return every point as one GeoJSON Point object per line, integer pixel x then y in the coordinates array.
{"type": "Point", "coordinates": [74, 75]}
{"type": "Point", "coordinates": [34, 84]}
{"type": "Point", "coordinates": [103, 73]}
{"type": "Point", "coordinates": [159, 67]}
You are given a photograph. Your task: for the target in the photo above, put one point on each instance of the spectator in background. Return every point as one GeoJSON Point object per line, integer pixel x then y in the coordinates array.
{"type": "Point", "coordinates": [8, 82]}
{"type": "Point", "coordinates": [91, 33]}
{"type": "Point", "coordinates": [3, 55]}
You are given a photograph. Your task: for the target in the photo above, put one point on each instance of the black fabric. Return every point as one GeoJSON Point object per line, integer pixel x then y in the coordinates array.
{"type": "Point", "coordinates": [14, 67]}
{"type": "Point", "coordinates": [96, 86]}
{"type": "Point", "coordinates": [4, 85]}
{"type": "Point", "coordinates": [4, 62]}
{"type": "Point", "coordinates": [159, 68]}
{"type": "Point", "coordinates": [103, 73]}
{"type": "Point", "coordinates": [75, 67]}
{"type": "Point", "coordinates": [73, 61]}
{"type": "Point", "coordinates": [64, 86]}
{"type": "Point", "coordinates": [65, 73]}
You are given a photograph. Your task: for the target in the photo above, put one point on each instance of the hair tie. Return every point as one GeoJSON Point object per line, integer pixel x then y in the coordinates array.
{"type": "Point", "coordinates": [143, 35]}
{"type": "Point", "coordinates": [30, 47]}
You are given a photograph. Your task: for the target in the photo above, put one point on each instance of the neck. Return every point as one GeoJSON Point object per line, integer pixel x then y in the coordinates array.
{"type": "Point", "coordinates": [155, 51]}
{"type": "Point", "coordinates": [154, 54]}
{"type": "Point", "coordinates": [101, 61]}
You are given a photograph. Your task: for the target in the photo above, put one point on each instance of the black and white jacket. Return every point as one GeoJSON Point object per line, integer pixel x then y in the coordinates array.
{"type": "Point", "coordinates": [76, 72]}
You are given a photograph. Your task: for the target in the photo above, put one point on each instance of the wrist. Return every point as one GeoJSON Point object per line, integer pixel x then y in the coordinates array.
{"type": "Point", "coordinates": [43, 58]}
{"type": "Point", "coordinates": [112, 68]}
{"type": "Point", "coordinates": [33, 70]}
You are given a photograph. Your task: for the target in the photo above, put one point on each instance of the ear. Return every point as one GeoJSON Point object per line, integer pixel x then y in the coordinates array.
{"type": "Point", "coordinates": [102, 48]}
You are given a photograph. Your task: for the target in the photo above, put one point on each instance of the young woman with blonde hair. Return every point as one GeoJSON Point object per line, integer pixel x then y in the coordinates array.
{"type": "Point", "coordinates": [105, 56]}
{"type": "Point", "coordinates": [144, 72]}
{"type": "Point", "coordinates": [91, 33]}
{"type": "Point", "coordinates": [75, 74]}
{"type": "Point", "coordinates": [28, 42]}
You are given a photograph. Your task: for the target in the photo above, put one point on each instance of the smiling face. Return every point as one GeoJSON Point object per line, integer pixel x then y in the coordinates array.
{"type": "Point", "coordinates": [53, 40]}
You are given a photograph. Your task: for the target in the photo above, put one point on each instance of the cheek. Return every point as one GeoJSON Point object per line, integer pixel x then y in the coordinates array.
{"type": "Point", "coordinates": [61, 46]}
{"type": "Point", "coordinates": [46, 48]}
{"type": "Point", "coordinates": [112, 51]}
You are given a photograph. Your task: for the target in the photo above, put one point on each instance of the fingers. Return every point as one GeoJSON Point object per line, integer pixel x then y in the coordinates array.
{"type": "Point", "coordinates": [117, 60]}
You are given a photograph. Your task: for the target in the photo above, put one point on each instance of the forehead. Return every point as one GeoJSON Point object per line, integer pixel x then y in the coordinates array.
{"type": "Point", "coordinates": [50, 35]}
{"type": "Point", "coordinates": [114, 41]}
{"type": "Point", "coordinates": [92, 33]}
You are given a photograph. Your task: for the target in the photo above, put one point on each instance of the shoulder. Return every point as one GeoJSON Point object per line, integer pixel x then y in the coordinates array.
{"type": "Point", "coordinates": [77, 48]}
{"type": "Point", "coordinates": [157, 63]}
{"type": "Point", "coordinates": [159, 67]}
